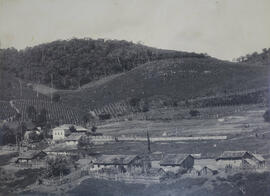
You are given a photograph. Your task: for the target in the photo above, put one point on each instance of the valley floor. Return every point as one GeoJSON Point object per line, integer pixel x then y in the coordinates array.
{"type": "Point", "coordinates": [245, 130]}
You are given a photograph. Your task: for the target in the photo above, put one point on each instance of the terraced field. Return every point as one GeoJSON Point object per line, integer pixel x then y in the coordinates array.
{"type": "Point", "coordinates": [6, 111]}
{"type": "Point", "coordinates": [55, 111]}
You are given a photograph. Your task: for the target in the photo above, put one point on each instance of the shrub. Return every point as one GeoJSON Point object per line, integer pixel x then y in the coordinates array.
{"type": "Point", "coordinates": [59, 166]}
{"type": "Point", "coordinates": [194, 113]}
{"type": "Point", "coordinates": [56, 98]}
{"type": "Point", "coordinates": [266, 116]}
{"type": "Point", "coordinates": [104, 116]}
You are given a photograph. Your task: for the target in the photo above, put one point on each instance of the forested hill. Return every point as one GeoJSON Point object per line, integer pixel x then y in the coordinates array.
{"type": "Point", "coordinates": [72, 63]}
{"type": "Point", "coordinates": [256, 58]}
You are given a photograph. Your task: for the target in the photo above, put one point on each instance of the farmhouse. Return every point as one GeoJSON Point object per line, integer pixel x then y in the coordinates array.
{"type": "Point", "coordinates": [31, 158]}
{"type": "Point", "coordinates": [63, 131]}
{"type": "Point", "coordinates": [240, 159]}
{"type": "Point", "coordinates": [176, 162]}
{"type": "Point", "coordinates": [256, 162]}
{"type": "Point", "coordinates": [204, 167]}
{"type": "Point", "coordinates": [123, 163]}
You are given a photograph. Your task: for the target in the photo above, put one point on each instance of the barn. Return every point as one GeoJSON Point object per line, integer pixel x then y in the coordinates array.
{"type": "Point", "coordinates": [122, 163]}
{"type": "Point", "coordinates": [176, 162]}
{"type": "Point", "coordinates": [204, 167]}
{"type": "Point", "coordinates": [31, 158]}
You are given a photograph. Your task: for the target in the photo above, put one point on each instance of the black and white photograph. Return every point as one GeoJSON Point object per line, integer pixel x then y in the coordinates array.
{"type": "Point", "coordinates": [134, 97]}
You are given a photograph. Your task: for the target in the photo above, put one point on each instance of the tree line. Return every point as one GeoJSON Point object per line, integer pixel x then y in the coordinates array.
{"type": "Point", "coordinates": [258, 58]}
{"type": "Point", "coordinates": [69, 64]}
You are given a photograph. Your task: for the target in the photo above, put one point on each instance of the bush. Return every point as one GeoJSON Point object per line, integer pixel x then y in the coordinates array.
{"type": "Point", "coordinates": [266, 116]}
{"type": "Point", "coordinates": [194, 113]}
{"type": "Point", "coordinates": [104, 116]}
{"type": "Point", "coordinates": [94, 129]}
{"type": "Point", "coordinates": [59, 166]}
{"type": "Point", "coordinates": [134, 102]}
{"type": "Point", "coordinates": [56, 98]}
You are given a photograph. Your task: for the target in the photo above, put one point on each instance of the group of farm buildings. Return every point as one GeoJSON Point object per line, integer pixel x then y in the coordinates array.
{"type": "Point", "coordinates": [174, 163]}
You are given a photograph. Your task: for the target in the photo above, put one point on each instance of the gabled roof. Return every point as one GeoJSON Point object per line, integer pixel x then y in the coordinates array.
{"type": "Point", "coordinates": [61, 147]}
{"type": "Point", "coordinates": [250, 162]}
{"type": "Point", "coordinates": [209, 163]}
{"type": "Point", "coordinates": [74, 137]}
{"type": "Point", "coordinates": [232, 154]}
{"type": "Point", "coordinates": [115, 159]}
{"type": "Point", "coordinates": [30, 154]}
{"type": "Point", "coordinates": [258, 157]}
{"type": "Point", "coordinates": [156, 171]}
{"type": "Point", "coordinates": [173, 159]}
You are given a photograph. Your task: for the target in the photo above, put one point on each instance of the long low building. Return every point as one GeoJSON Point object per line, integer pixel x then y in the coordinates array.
{"type": "Point", "coordinates": [240, 159]}
{"type": "Point", "coordinates": [31, 158]}
{"type": "Point", "coordinates": [123, 163]}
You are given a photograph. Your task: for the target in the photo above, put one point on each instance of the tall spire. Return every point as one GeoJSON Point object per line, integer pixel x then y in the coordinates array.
{"type": "Point", "coordinates": [148, 142]}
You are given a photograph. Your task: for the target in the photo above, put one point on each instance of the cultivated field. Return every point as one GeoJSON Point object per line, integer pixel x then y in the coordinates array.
{"type": "Point", "coordinates": [246, 130]}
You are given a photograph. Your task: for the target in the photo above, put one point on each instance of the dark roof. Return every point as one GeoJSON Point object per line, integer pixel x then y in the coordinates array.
{"type": "Point", "coordinates": [30, 154]}
{"type": "Point", "coordinates": [115, 159]}
{"type": "Point", "coordinates": [208, 163]}
{"type": "Point", "coordinates": [74, 137]}
{"type": "Point", "coordinates": [232, 154]}
{"type": "Point", "coordinates": [174, 159]}
{"type": "Point", "coordinates": [61, 147]}
{"type": "Point", "coordinates": [259, 157]}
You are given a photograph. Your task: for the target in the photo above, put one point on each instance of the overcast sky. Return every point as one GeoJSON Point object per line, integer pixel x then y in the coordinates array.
{"type": "Point", "coordinates": [222, 28]}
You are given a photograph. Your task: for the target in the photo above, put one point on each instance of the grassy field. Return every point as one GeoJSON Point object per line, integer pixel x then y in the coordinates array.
{"type": "Point", "coordinates": [235, 185]}
{"type": "Point", "coordinates": [241, 129]}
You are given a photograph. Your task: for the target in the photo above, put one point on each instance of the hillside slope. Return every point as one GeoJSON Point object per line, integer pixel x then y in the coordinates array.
{"type": "Point", "coordinates": [177, 79]}
{"type": "Point", "coordinates": [256, 58]}
{"type": "Point", "coordinates": [15, 88]}
{"type": "Point", "coordinates": [69, 64]}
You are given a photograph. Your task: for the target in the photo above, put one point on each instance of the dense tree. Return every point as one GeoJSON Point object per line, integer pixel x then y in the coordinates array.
{"type": "Point", "coordinates": [56, 97]}
{"type": "Point", "coordinates": [194, 113]}
{"type": "Point", "coordinates": [72, 129]}
{"type": "Point", "coordinates": [42, 118]}
{"type": "Point", "coordinates": [256, 58]}
{"type": "Point", "coordinates": [73, 63]}
{"type": "Point", "coordinates": [94, 129]}
{"type": "Point", "coordinates": [85, 144]}
{"type": "Point", "coordinates": [8, 134]}
{"type": "Point", "coordinates": [31, 112]}
{"type": "Point", "coordinates": [266, 116]}
{"type": "Point", "coordinates": [104, 116]}
{"type": "Point", "coordinates": [59, 166]}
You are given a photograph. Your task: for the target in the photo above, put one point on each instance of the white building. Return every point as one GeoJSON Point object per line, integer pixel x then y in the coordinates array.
{"type": "Point", "coordinates": [63, 131]}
